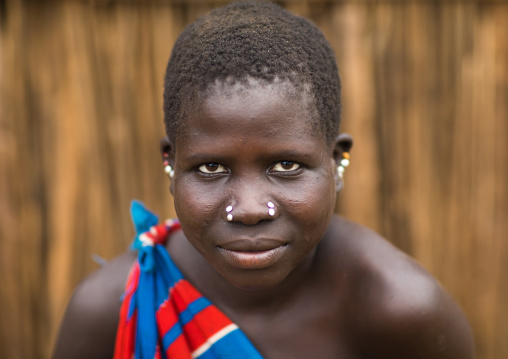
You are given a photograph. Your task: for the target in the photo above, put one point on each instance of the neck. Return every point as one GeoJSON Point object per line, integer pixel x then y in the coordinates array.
{"type": "Point", "coordinates": [266, 299]}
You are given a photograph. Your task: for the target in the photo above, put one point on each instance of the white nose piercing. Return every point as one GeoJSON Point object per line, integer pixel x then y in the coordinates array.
{"type": "Point", "coordinates": [229, 217]}
{"type": "Point", "coordinates": [270, 205]}
{"type": "Point", "coordinates": [271, 208]}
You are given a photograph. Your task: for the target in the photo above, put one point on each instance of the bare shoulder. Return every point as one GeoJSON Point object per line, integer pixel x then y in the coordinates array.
{"type": "Point", "coordinates": [88, 329]}
{"type": "Point", "coordinates": [395, 308]}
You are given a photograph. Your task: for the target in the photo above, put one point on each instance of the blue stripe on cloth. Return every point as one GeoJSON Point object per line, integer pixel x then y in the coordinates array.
{"type": "Point", "coordinates": [183, 318]}
{"type": "Point", "coordinates": [132, 306]}
{"type": "Point", "coordinates": [167, 265]}
{"type": "Point", "coordinates": [232, 346]}
{"type": "Point", "coordinates": [194, 308]}
{"type": "Point", "coordinates": [171, 336]}
{"type": "Point", "coordinates": [146, 321]}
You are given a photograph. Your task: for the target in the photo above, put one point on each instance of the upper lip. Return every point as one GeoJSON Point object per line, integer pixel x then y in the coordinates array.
{"type": "Point", "coordinates": [251, 244]}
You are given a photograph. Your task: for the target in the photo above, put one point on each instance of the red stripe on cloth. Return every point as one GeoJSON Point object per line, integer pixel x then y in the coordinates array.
{"type": "Point", "coordinates": [166, 316]}
{"type": "Point", "coordinates": [158, 354]}
{"type": "Point", "coordinates": [160, 233]}
{"type": "Point", "coordinates": [182, 294]}
{"type": "Point", "coordinates": [125, 339]}
{"type": "Point", "coordinates": [179, 349]}
{"type": "Point", "coordinates": [204, 324]}
{"type": "Point", "coordinates": [126, 333]}
{"type": "Point", "coordinates": [132, 280]}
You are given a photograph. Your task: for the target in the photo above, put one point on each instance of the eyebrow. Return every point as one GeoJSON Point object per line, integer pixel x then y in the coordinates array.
{"type": "Point", "coordinates": [221, 156]}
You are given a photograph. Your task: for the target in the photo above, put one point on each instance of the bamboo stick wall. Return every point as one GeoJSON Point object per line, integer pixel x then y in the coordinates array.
{"type": "Point", "coordinates": [425, 97]}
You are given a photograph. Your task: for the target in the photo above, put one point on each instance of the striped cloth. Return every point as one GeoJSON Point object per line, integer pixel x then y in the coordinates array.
{"type": "Point", "coordinates": [162, 314]}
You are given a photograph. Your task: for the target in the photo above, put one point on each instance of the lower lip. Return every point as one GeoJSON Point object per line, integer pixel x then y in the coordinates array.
{"type": "Point", "coordinates": [254, 260]}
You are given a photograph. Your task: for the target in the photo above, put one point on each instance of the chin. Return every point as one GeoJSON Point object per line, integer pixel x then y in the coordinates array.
{"type": "Point", "coordinates": [255, 280]}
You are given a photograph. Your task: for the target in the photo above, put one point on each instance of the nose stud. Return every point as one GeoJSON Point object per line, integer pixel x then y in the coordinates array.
{"type": "Point", "coordinates": [269, 204]}
{"type": "Point", "coordinates": [229, 216]}
{"type": "Point", "coordinates": [271, 208]}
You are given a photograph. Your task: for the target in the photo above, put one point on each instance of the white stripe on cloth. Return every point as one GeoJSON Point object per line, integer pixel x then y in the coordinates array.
{"type": "Point", "coordinates": [214, 338]}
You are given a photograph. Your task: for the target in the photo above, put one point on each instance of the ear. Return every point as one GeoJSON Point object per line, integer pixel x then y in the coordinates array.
{"type": "Point", "coordinates": [167, 150]}
{"type": "Point", "coordinates": [168, 154]}
{"type": "Point", "coordinates": [343, 143]}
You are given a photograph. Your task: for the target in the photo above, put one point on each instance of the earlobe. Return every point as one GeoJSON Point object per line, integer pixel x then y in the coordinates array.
{"type": "Point", "coordinates": [167, 149]}
{"type": "Point", "coordinates": [341, 148]}
{"type": "Point", "coordinates": [343, 143]}
{"type": "Point", "coordinates": [168, 159]}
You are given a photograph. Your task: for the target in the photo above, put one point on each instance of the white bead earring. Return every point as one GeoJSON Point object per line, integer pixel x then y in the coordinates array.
{"type": "Point", "coordinates": [169, 171]}
{"type": "Point", "coordinates": [344, 162]}
{"type": "Point", "coordinates": [167, 168]}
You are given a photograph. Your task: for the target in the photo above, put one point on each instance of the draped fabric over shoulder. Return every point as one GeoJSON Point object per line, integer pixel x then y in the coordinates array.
{"type": "Point", "coordinates": [162, 314]}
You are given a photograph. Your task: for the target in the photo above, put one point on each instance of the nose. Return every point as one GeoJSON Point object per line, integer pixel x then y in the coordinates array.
{"type": "Point", "coordinates": [250, 205]}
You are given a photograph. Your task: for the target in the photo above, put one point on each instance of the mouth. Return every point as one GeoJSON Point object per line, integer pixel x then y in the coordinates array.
{"type": "Point", "coordinates": [253, 255]}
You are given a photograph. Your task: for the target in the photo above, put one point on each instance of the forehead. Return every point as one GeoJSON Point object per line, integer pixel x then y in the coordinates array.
{"type": "Point", "coordinates": [251, 123]}
{"type": "Point", "coordinates": [251, 108]}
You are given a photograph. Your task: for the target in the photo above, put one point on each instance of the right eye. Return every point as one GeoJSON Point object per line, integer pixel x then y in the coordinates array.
{"type": "Point", "coordinates": [285, 166]}
{"type": "Point", "coordinates": [212, 167]}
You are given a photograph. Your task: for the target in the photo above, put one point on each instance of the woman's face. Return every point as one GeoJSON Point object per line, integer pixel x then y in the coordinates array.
{"type": "Point", "coordinates": [245, 147]}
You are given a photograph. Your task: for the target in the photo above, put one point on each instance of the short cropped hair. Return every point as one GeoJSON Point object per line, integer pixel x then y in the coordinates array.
{"type": "Point", "coordinates": [255, 39]}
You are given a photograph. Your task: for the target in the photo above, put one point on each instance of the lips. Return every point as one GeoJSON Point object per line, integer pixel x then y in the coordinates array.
{"type": "Point", "coordinates": [251, 245]}
{"type": "Point", "coordinates": [252, 254]}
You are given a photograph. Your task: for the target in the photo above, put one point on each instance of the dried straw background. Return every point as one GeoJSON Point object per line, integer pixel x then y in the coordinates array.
{"type": "Point", "coordinates": [425, 96]}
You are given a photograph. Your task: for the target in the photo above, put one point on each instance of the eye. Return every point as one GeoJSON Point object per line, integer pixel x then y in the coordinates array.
{"type": "Point", "coordinates": [285, 166]}
{"type": "Point", "coordinates": [212, 167]}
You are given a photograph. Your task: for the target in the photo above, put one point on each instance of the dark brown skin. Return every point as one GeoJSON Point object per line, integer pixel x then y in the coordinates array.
{"type": "Point", "coordinates": [337, 290]}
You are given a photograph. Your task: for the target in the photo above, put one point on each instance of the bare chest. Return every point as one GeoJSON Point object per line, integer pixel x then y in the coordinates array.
{"type": "Point", "coordinates": [302, 332]}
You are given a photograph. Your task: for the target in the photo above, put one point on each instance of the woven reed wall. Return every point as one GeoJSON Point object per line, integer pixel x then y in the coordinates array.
{"type": "Point", "coordinates": [425, 97]}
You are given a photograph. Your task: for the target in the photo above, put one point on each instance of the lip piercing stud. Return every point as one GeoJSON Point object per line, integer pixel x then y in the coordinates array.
{"type": "Point", "coordinates": [271, 208]}
{"type": "Point", "coordinates": [229, 217]}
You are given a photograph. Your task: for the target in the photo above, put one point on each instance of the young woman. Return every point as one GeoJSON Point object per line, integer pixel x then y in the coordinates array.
{"type": "Point", "coordinates": [257, 265]}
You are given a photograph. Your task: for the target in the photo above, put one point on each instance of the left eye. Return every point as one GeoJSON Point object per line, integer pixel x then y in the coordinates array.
{"type": "Point", "coordinates": [285, 166]}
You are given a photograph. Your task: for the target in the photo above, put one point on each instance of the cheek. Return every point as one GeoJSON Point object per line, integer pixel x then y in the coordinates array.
{"type": "Point", "coordinates": [196, 206]}
{"type": "Point", "coordinates": [312, 205]}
